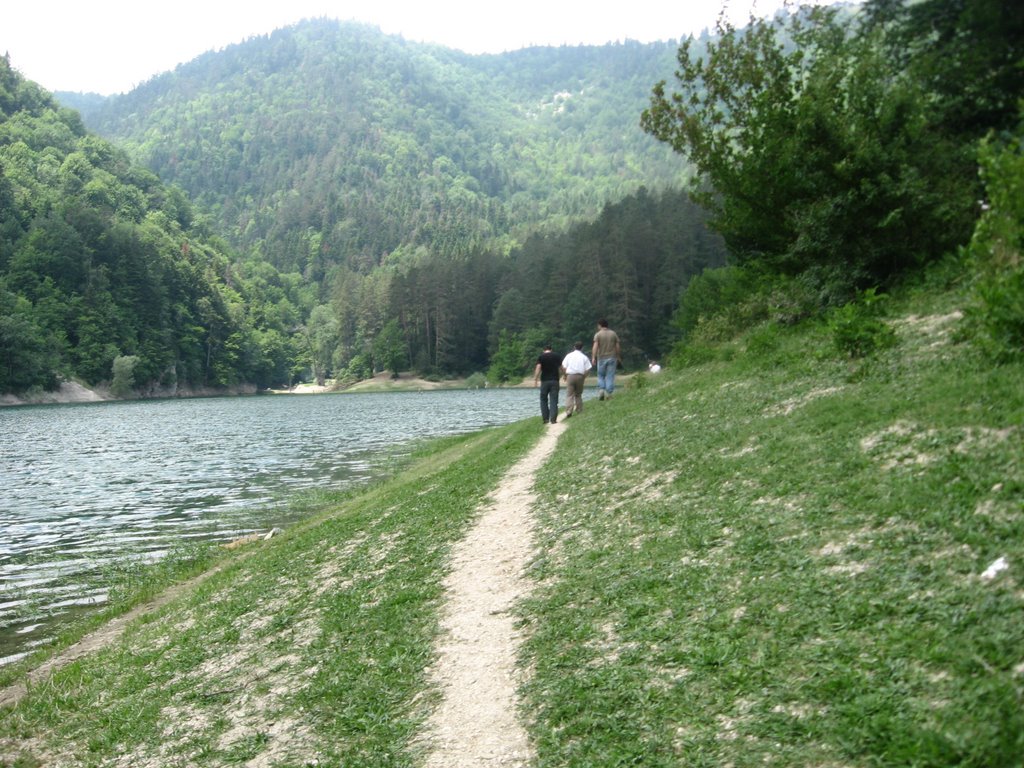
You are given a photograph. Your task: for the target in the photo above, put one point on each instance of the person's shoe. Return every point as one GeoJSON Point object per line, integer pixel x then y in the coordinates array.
{"type": "Point", "coordinates": [554, 421]}
{"type": "Point", "coordinates": [600, 394]}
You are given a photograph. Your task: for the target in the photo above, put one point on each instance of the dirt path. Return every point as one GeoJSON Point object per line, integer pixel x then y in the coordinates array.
{"type": "Point", "coordinates": [476, 723]}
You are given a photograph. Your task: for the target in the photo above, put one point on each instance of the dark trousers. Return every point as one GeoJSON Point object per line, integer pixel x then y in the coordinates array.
{"type": "Point", "coordinates": [549, 400]}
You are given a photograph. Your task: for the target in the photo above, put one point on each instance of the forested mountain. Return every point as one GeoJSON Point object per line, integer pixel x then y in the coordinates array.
{"type": "Point", "coordinates": [377, 205]}
{"type": "Point", "coordinates": [331, 143]}
{"type": "Point", "coordinates": [107, 274]}
{"type": "Point", "coordinates": [360, 203]}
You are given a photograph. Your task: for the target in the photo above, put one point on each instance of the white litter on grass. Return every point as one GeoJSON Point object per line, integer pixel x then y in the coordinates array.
{"type": "Point", "coordinates": [995, 569]}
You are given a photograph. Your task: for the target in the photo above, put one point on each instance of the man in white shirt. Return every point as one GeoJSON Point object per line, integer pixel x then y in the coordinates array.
{"type": "Point", "coordinates": [575, 364]}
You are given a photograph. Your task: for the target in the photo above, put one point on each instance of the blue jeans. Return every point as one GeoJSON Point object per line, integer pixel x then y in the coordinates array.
{"type": "Point", "coordinates": [549, 400]}
{"type": "Point", "coordinates": [606, 373]}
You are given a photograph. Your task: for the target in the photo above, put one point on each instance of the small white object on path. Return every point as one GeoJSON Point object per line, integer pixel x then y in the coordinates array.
{"type": "Point", "coordinates": [995, 569]}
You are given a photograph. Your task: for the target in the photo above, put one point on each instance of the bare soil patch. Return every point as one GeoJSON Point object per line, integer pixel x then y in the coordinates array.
{"type": "Point", "coordinates": [476, 723]}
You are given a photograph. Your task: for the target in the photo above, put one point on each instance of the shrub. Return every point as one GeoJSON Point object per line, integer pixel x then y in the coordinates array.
{"type": "Point", "coordinates": [476, 381]}
{"type": "Point", "coordinates": [123, 375]}
{"type": "Point", "coordinates": [857, 330]}
{"type": "Point", "coordinates": [710, 294]}
{"type": "Point", "coordinates": [996, 312]}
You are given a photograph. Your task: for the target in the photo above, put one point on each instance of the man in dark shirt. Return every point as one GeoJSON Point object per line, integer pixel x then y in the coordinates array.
{"type": "Point", "coordinates": [546, 375]}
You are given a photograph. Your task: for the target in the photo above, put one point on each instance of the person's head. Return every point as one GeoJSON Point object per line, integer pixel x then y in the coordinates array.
{"type": "Point", "coordinates": [602, 323]}
{"type": "Point", "coordinates": [578, 345]}
{"type": "Point", "coordinates": [547, 346]}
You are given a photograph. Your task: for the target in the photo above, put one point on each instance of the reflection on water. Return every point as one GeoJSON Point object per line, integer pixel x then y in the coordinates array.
{"type": "Point", "coordinates": [84, 486]}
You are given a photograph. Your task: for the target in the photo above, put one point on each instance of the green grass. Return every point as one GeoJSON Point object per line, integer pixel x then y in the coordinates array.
{"type": "Point", "coordinates": [772, 558]}
{"type": "Point", "coordinates": [776, 561]}
{"type": "Point", "coordinates": [312, 647]}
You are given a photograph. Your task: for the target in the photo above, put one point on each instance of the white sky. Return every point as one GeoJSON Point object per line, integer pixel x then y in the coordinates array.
{"type": "Point", "coordinates": [110, 46]}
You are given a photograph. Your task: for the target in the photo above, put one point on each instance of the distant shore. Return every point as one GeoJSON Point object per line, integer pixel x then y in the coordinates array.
{"type": "Point", "coordinates": [74, 392]}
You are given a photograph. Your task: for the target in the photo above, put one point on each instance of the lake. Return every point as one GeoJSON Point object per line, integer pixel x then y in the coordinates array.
{"type": "Point", "coordinates": [87, 485]}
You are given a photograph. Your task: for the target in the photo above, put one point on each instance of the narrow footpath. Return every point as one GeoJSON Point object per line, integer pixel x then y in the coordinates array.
{"type": "Point", "coordinates": [476, 723]}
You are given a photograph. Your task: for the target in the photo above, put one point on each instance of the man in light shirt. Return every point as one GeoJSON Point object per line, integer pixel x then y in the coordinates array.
{"type": "Point", "coordinates": [575, 364]}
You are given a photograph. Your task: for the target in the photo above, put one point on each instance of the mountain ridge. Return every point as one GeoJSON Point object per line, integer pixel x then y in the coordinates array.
{"type": "Point", "coordinates": [336, 132]}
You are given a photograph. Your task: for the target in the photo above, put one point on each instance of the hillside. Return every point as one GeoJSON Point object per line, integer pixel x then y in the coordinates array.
{"type": "Point", "coordinates": [330, 143]}
{"type": "Point", "coordinates": [779, 556]}
{"type": "Point", "coordinates": [107, 274]}
{"type": "Point", "coordinates": [374, 205]}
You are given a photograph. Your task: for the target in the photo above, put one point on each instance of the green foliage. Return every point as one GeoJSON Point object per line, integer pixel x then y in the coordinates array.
{"type": "Point", "coordinates": [508, 362]}
{"type": "Point", "coordinates": [968, 51]}
{"type": "Point", "coordinates": [99, 260]}
{"type": "Point", "coordinates": [359, 367]}
{"type": "Point", "coordinates": [996, 312]}
{"type": "Point", "coordinates": [712, 292]}
{"type": "Point", "coordinates": [123, 378]}
{"type": "Point", "coordinates": [415, 221]}
{"type": "Point", "coordinates": [389, 349]}
{"type": "Point", "coordinates": [629, 266]}
{"type": "Point", "coordinates": [857, 328]}
{"type": "Point", "coordinates": [328, 143]}
{"type": "Point", "coordinates": [476, 380]}
{"type": "Point", "coordinates": [815, 149]}
{"type": "Point", "coordinates": [27, 352]}
{"type": "Point", "coordinates": [752, 307]}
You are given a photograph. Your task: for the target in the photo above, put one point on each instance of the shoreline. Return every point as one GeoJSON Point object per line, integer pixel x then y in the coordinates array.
{"type": "Point", "coordinates": [72, 392]}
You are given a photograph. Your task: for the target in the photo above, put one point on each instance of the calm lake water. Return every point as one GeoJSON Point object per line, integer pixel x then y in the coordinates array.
{"type": "Point", "coordinates": [85, 486]}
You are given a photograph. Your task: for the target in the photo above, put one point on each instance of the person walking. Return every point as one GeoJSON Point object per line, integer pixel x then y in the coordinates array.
{"type": "Point", "coordinates": [546, 374]}
{"type": "Point", "coordinates": [605, 355]}
{"type": "Point", "coordinates": [576, 364]}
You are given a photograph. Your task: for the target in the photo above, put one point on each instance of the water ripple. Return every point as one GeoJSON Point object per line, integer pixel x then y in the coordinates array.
{"type": "Point", "coordinates": [86, 485]}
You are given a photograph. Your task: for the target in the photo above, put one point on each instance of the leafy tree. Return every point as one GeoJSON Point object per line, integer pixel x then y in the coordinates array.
{"type": "Point", "coordinates": [389, 350]}
{"type": "Point", "coordinates": [814, 149]}
{"type": "Point", "coordinates": [321, 337]}
{"type": "Point", "coordinates": [968, 53]}
{"type": "Point", "coordinates": [27, 355]}
{"type": "Point", "coordinates": [996, 251]}
{"type": "Point", "coordinates": [123, 378]}
{"type": "Point", "coordinates": [507, 362]}
{"type": "Point", "coordinates": [104, 261]}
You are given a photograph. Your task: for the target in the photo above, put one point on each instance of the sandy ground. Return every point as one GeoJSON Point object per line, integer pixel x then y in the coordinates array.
{"type": "Point", "coordinates": [69, 392]}
{"type": "Point", "coordinates": [476, 723]}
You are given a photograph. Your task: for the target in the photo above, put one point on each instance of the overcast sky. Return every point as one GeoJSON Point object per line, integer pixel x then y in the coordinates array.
{"type": "Point", "coordinates": [110, 46]}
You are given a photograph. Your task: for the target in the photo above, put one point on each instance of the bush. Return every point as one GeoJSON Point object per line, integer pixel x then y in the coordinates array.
{"type": "Point", "coordinates": [857, 330]}
{"type": "Point", "coordinates": [123, 375]}
{"type": "Point", "coordinates": [996, 312]}
{"type": "Point", "coordinates": [711, 293]}
{"type": "Point", "coordinates": [360, 367]}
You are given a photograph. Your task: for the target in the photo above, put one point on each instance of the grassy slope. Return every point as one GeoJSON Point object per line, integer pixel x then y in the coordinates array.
{"type": "Point", "coordinates": [777, 560]}
{"type": "Point", "coordinates": [774, 559]}
{"type": "Point", "coordinates": [310, 650]}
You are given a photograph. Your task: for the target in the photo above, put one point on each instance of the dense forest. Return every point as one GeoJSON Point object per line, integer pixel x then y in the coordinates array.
{"type": "Point", "coordinates": [327, 201]}
{"type": "Point", "coordinates": [354, 203]}
{"type": "Point", "coordinates": [104, 268]}
{"type": "Point", "coordinates": [331, 143]}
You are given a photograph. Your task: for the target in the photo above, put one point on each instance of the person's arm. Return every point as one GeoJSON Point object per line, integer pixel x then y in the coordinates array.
{"type": "Point", "coordinates": [593, 352]}
{"type": "Point", "coordinates": [536, 375]}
